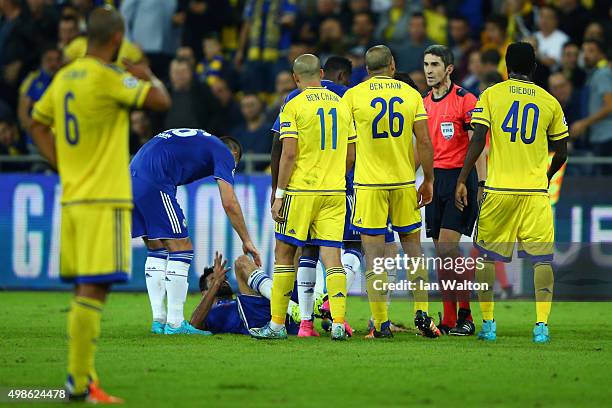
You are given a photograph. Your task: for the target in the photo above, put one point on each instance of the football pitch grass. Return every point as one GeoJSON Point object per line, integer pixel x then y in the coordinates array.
{"type": "Point", "coordinates": [232, 370]}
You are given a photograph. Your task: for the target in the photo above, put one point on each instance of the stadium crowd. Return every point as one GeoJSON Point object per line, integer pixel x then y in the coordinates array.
{"type": "Point", "coordinates": [227, 62]}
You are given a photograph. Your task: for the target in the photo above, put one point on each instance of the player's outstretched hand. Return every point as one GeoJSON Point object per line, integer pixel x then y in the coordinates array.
{"type": "Point", "coordinates": [461, 196]}
{"type": "Point", "coordinates": [276, 208]}
{"type": "Point", "coordinates": [140, 70]}
{"type": "Point", "coordinates": [249, 249]}
{"type": "Point", "coordinates": [220, 267]}
{"type": "Point", "coordinates": [425, 193]}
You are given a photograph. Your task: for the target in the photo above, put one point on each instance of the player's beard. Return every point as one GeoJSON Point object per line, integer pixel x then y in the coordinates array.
{"type": "Point", "coordinates": [225, 290]}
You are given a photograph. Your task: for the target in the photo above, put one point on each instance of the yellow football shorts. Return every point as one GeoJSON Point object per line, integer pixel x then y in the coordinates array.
{"type": "Point", "coordinates": [95, 243]}
{"type": "Point", "coordinates": [375, 208]}
{"type": "Point", "coordinates": [312, 219]}
{"type": "Point", "coordinates": [505, 219]}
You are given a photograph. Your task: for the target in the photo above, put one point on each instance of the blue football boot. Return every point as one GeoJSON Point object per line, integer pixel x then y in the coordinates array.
{"type": "Point", "coordinates": [267, 333]}
{"type": "Point", "coordinates": [540, 333]}
{"type": "Point", "coordinates": [185, 328]}
{"type": "Point", "coordinates": [157, 327]}
{"type": "Point", "coordinates": [488, 331]}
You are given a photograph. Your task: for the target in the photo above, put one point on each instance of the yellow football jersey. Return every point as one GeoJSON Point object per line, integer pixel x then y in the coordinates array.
{"type": "Point", "coordinates": [88, 104]}
{"type": "Point", "coordinates": [78, 48]}
{"type": "Point", "coordinates": [384, 111]}
{"type": "Point", "coordinates": [322, 124]}
{"type": "Point", "coordinates": [522, 118]}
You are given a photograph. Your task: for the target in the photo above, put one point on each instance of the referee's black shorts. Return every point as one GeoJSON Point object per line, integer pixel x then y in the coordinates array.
{"type": "Point", "coordinates": [442, 213]}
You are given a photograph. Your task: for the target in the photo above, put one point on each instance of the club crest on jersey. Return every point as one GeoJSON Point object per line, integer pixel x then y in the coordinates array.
{"type": "Point", "coordinates": [447, 129]}
{"type": "Point", "coordinates": [130, 82]}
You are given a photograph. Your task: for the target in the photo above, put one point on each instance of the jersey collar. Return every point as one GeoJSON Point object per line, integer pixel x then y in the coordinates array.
{"type": "Point", "coordinates": [450, 88]}
{"type": "Point", "coordinates": [520, 78]}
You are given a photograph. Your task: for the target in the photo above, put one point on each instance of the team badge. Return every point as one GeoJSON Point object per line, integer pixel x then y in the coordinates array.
{"type": "Point", "coordinates": [130, 82]}
{"type": "Point", "coordinates": [447, 129]}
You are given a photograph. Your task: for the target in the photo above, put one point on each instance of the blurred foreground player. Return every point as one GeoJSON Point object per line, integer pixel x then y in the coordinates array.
{"type": "Point", "coordinates": [220, 312]}
{"type": "Point", "coordinates": [173, 158]}
{"type": "Point", "coordinates": [525, 122]}
{"type": "Point", "coordinates": [318, 147]}
{"type": "Point", "coordinates": [449, 111]}
{"type": "Point", "coordinates": [87, 104]}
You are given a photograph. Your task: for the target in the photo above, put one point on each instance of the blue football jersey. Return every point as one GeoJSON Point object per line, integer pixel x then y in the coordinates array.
{"type": "Point", "coordinates": [224, 317]}
{"type": "Point", "coordinates": [332, 86]}
{"type": "Point", "coordinates": [181, 156]}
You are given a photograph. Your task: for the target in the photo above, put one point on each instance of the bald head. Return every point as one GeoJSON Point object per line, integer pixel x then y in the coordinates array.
{"type": "Point", "coordinates": [104, 23]}
{"type": "Point", "coordinates": [379, 59]}
{"type": "Point", "coordinates": [307, 70]}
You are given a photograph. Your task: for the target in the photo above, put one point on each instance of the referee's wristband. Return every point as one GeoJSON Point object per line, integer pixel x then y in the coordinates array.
{"type": "Point", "coordinates": [481, 183]}
{"type": "Point", "coordinates": [279, 193]}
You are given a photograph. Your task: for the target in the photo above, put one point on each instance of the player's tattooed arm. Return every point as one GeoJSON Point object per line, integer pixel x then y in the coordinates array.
{"type": "Point", "coordinates": [475, 148]}
{"type": "Point", "coordinates": [45, 141]}
{"type": "Point", "coordinates": [198, 317]}
{"type": "Point", "coordinates": [559, 148]}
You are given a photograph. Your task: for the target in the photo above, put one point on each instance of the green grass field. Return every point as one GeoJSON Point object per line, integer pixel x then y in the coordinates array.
{"type": "Point", "coordinates": [232, 370]}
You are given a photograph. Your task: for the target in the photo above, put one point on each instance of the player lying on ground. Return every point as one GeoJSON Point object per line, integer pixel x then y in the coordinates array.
{"type": "Point", "coordinates": [173, 158]}
{"type": "Point", "coordinates": [87, 105]}
{"type": "Point", "coordinates": [449, 111]}
{"type": "Point", "coordinates": [386, 113]}
{"type": "Point", "coordinates": [525, 121]}
{"type": "Point", "coordinates": [316, 131]}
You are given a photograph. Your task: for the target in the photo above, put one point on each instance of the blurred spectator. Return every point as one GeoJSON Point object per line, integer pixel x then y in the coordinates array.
{"type": "Point", "coordinates": [419, 79]}
{"type": "Point", "coordinates": [186, 53]}
{"type": "Point", "coordinates": [33, 87]}
{"type": "Point", "coordinates": [229, 110]}
{"type": "Point", "coordinates": [598, 119]}
{"type": "Point", "coordinates": [79, 9]}
{"type": "Point", "coordinates": [489, 79]}
{"type": "Point", "coordinates": [140, 130]}
{"type": "Point", "coordinates": [200, 19]}
{"type": "Point", "coordinates": [331, 40]}
{"type": "Point", "coordinates": [149, 23]}
{"type": "Point", "coordinates": [284, 85]}
{"type": "Point", "coordinates": [265, 39]}
{"type": "Point", "coordinates": [308, 27]}
{"type": "Point", "coordinates": [393, 23]}
{"type": "Point", "coordinates": [15, 41]}
{"type": "Point", "coordinates": [213, 66]}
{"type": "Point", "coordinates": [67, 31]}
{"type": "Point", "coordinates": [461, 45]}
{"type": "Point", "coordinates": [409, 54]}
{"type": "Point", "coordinates": [296, 50]}
{"type": "Point", "coordinates": [550, 39]}
{"type": "Point", "coordinates": [489, 61]}
{"type": "Point", "coordinates": [595, 31]}
{"type": "Point", "coordinates": [436, 21]}
{"type": "Point", "coordinates": [363, 33]}
{"type": "Point", "coordinates": [573, 19]}
{"type": "Point", "coordinates": [569, 65]}
{"type": "Point", "coordinates": [521, 18]}
{"type": "Point", "coordinates": [11, 143]}
{"type": "Point", "coordinates": [351, 9]}
{"type": "Point", "coordinates": [193, 105]}
{"type": "Point", "coordinates": [571, 100]}
{"type": "Point", "coordinates": [43, 20]}
{"type": "Point", "coordinates": [254, 135]}
{"type": "Point", "coordinates": [472, 81]}
{"type": "Point", "coordinates": [495, 37]}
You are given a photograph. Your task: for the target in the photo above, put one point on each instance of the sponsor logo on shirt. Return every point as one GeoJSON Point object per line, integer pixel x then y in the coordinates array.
{"type": "Point", "coordinates": [130, 82]}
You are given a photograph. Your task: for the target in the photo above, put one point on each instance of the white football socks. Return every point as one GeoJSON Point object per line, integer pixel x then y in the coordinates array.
{"type": "Point", "coordinates": [306, 280]}
{"type": "Point", "coordinates": [177, 271]}
{"type": "Point", "coordinates": [260, 283]}
{"type": "Point", "coordinates": [352, 266]}
{"type": "Point", "coordinates": [155, 273]}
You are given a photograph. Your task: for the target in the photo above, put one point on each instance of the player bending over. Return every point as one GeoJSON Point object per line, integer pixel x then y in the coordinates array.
{"type": "Point", "coordinates": [88, 105]}
{"type": "Point", "coordinates": [170, 159]}
{"type": "Point", "coordinates": [449, 111]}
{"type": "Point", "coordinates": [316, 131]}
{"type": "Point", "coordinates": [386, 112]}
{"type": "Point", "coordinates": [525, 121]}
{"type": "Point", "coordinates": [218, 310]}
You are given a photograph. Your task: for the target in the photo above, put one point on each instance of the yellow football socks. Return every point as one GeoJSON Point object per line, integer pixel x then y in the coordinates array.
{"type": "Point", "coordinates": [543, 280]}
{"type": "Point", "coordinates": [83, 332]}
{"type": "Point", "coordinates": [336, 290]}
{"type": "Point", "coordinates": [420, 294]}
{"type": "Point", "coordinates": [485, 296]}
{"type": "Point", "coordinates": [282, 287]}
{"type": "Point", "coordinates": [377, 297]}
